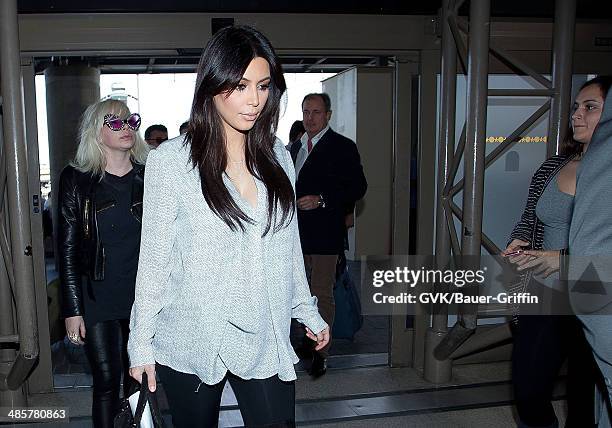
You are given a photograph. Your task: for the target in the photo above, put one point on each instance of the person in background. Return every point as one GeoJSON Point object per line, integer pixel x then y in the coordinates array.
{"type": "Point", "coordinates": [543, 342]}
{"type": "Point", "coordinates": [183, 127]}
{"type": "Point", "coordinates": [295, 133]}
{"type": "Point", "coordinates": [590, 237]}
{"type": "Point", "coordinates": [155, 135]}
{"type": "Point", "coordinates": [99, 215]}
{"type": "Point", "coordinates": [223, 273]}
{"type": "Point", "coordinates": [330, 179]}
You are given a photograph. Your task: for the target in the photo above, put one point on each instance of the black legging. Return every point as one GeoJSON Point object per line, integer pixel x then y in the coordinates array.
{"type": "Point", "coordinates": [263, 402]}
{"type": "Point", "coordinates": [541, 345]}
{"type": "Point", "coordinates": [106, 348]}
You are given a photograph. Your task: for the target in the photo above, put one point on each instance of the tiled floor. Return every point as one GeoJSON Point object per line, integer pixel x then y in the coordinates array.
{"type": "Point", "coordinates": [374, 396]}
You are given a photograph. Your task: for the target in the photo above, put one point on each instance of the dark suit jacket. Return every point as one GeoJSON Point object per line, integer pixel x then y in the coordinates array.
{"type": "Point", "coordinates": [333, 169]}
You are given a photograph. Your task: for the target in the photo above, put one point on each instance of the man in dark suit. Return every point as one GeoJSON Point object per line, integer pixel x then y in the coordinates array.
{"type": "Point", "coordinates": [329, 180]}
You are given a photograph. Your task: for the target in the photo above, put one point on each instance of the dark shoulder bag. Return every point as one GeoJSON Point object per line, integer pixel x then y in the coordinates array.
{"type": "Point", "coordinates": [125, 419]}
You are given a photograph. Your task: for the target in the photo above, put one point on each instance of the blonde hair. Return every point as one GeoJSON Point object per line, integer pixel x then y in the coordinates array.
{"type": "Point", "coordinates": [90, 155]}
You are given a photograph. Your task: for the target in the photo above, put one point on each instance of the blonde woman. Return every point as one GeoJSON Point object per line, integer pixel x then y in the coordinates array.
{"type": "Point", "coordinates": [100, 212]}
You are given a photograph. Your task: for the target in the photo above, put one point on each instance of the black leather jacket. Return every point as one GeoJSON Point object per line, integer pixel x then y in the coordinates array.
{"type": "Point", "coordinates": [81, 253]}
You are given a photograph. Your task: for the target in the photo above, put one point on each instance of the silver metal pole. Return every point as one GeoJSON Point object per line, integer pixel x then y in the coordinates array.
{"type": "Point", "coordinates": [435, 370]}
{"type": "Point", "coordinates": [41, 379]}
{"type": "Point", "coordinates": [456, 162]}
{"type": "Point", "coordinates": [17, 197]}
{"type": "Point", "coordinates": [562, 55]}
{"type": "Point", "coordinates": [428, 100]}
{"type": "Point", "coordinates": [7, 330]}
{"type": "Point", "coordinates": [451, 21]}
{"type": "Point", "coordinates": [474, 159]}
{"type": "Point", "coordinates": [476, 124]}
{"type": "Point", "coordinates": [7, 319]}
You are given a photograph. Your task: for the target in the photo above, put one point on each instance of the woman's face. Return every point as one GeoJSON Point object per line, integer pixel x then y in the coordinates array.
{"type": "Point", "coordinates": [240, 108]}
{"type": "Point", "coordinates": [122, 140]}
{"type": "Point", "coordinates": [586, 113]}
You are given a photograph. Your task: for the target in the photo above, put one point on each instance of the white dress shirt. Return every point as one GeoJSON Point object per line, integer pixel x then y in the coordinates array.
{"type": "Point", "coordinates": [303, 153]}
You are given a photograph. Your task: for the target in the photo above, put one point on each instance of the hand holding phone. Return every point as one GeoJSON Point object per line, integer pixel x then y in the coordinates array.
{"type": "Point", "coordinates": [514, 253]}
{"type": "Point", "coordinates": [515, 248]}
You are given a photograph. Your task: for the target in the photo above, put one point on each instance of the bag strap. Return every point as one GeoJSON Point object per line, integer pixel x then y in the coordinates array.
{"type": "Point", "coordinates": [142, 399]}
{"type": "Point", "coordinates": [158, 420]}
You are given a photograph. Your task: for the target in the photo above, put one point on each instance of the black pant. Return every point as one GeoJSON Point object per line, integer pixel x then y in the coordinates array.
{"type": "Point", "coordinates": [263, 402]}
{"type": "Point", "coordinates": [541, 345]}
{"type": "Point", "coordinates": [106, 348]}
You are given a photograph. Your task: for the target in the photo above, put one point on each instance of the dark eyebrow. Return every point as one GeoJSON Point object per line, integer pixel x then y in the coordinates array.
{"type": "Point", "coordinates": [262, 80]}
{"type": "Point", "coordinates": [588, 101]}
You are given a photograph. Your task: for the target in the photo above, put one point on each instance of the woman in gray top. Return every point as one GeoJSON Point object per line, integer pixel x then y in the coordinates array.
{"type": "Point", "coordinates": [543, 343]}
{"type": "Point", "coordinates": [221, 271]}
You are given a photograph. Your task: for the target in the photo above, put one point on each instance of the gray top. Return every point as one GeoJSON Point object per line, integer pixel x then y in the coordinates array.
{"type": "Point", "coordinates": [554, 210]}
{"type": "Point", "coordinates": [591, 228]}
{"type": "Point", "coordinates": [209, 300]}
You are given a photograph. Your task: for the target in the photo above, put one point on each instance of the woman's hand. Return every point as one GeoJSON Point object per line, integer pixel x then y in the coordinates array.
{"type": "Point", "coordinates": [321, 338]}
{"type": "Point", "coordinates": [515, 253]}
{"type": "Point", "coordinates": [75, 330]}
{"type": "Point", "coordinates": [136, 373]}
{"type": "Point", "coordinates": [543, 263]}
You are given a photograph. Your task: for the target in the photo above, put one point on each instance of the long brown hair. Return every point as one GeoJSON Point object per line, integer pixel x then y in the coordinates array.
{"type": "Point", "coordinates": [222, 65]}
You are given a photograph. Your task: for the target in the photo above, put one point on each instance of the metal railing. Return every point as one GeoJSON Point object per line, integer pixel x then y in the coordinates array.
{"type": "Point", "coordinates": [15, 234]}
{"type": "Point", "coordinates": [461, 340]}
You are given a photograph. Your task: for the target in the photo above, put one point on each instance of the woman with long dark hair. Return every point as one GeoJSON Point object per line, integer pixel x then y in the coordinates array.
{"type": "Point", "coordinates": [221, 272]}
{"type": "Point", "coordinates": [543, 342]}
{"type": "Point", "coordinates": [100, 210]}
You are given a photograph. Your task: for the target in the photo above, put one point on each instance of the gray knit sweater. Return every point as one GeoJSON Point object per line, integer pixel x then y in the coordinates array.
{"type": "Point", "coordinates": [209, 300]}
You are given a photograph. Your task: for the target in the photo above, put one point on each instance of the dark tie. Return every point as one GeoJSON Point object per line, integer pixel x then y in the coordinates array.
{"type": "Point", "coordinates": [309, 144]}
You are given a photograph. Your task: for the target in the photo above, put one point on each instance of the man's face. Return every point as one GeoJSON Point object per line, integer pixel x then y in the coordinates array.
{"type": "Point", "coordinates": [314, 115]}
{"type": "Point", "coordinates": [156, 138]}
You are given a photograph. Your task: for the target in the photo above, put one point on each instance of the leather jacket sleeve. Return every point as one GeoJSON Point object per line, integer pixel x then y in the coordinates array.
{"type": "Point", "coordinates": [69, 243]}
